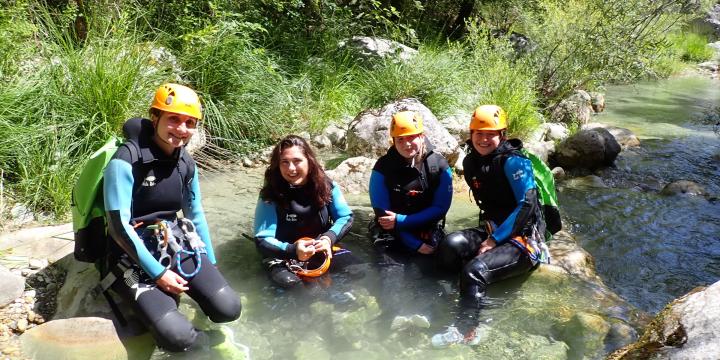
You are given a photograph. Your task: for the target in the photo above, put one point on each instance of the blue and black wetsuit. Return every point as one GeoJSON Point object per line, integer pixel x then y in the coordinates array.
{"type": "Point", "coordinates": [278, 227]}
{"type": "Point", "coordinates": [144, 185]}
{"type": "Point", "coordinates": [503, 185]}
{"type": "Point", "coordinates": [420, 196]}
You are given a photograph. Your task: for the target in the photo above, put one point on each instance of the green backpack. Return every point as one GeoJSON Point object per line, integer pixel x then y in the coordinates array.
{"type": "Point", "coordinates": [546, 192]}
{"type": "Point", "coordinates": [88, 206]}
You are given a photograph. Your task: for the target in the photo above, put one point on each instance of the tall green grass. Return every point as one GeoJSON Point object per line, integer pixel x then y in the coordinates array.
{"type": "Point", "coordinates": [691, 46]}
{"type": "Point", "coordinates": [56, 116]}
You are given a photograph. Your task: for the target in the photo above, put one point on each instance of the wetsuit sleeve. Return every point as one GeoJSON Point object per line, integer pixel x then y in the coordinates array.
{"type": "Point", "coordinates": [379, 195]}
{"type": "Point", "coordinates": [519, 173]}
{"type": "Point", "coordinates": [341, 214]}
{"type": "Point", "coordinates": [437, 209]}
{"type": "Point", "coordinates": [117, 192]}
{"type": "Point", "coordinates": [193, 210]}
{"type": "Point", "coordinates": [265, 227]}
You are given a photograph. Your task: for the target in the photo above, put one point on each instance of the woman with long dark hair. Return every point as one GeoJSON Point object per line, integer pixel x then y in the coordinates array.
{"type": "Point", "coordinates": [300, 214]}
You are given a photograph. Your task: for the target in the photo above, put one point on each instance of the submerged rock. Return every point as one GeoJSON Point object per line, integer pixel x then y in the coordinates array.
{"type": "Point", "coordinates": [683, 187]}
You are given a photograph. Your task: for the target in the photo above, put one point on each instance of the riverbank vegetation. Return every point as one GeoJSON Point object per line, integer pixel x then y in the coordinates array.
{"type": "Point", "coordinates": [73, 71]}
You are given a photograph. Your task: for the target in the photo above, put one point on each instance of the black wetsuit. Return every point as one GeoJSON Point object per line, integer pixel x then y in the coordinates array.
{"type": "Point", "coordinates": [503, 185]}
{"type": "Point", "coordinates": [143, 184]}
{"type": "Point", "coordinates": [278, 227]}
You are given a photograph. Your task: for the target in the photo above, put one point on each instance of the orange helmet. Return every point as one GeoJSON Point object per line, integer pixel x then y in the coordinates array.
{"type": "Point", "coordinates": [177, 99]}
{"type": "Point", "coordinates": [489, 117]}
{"type": "Point", "coordinates": [406, 123]}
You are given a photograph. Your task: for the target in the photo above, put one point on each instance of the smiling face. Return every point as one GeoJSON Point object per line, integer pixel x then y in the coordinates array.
{"type": "Point", "coordinates": [173, 130]}
{"type": "Point", "coordinates": [409, 146]}
{"type": "Point", "coordinates": [485, 141]}
{"type": "Point", "coordinates": [294, 166]}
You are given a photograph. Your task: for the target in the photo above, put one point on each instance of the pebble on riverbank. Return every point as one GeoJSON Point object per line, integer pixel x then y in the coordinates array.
{"type": "Point", "coordinates": [35, 306]}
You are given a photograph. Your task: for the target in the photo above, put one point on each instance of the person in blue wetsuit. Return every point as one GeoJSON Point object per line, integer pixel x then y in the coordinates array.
{"type": "Point", "coordinates": [410, 192]}
{"type": "Point", "coordinates": [512, 227]}
{"type": "Point", "coordinates": [300, 214]}
{"type": "Point", "coordinates": [156, 256]}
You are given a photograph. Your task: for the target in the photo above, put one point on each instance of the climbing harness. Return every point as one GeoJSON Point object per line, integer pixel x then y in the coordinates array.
{"type": "Point", "coordinates": [170, 245]}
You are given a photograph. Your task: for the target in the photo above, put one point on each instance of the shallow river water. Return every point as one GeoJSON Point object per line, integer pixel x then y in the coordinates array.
{"type": "Point", "coordinates": [648, 248]}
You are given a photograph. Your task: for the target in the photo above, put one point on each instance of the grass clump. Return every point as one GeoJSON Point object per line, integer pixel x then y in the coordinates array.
{"type": "Point", "coordinates": [691, 47]}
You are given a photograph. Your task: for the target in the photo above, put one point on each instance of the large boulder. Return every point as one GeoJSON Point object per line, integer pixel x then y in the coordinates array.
{"type": "Point", "coordinates": [688, 328]}
{"type": "Point", "coordinates": [589, 149]}
{"type": "Point", "coordinates": [369, 48]}
{"type": "Point", "coordinates": [369, 132]}
{"type": "Point", "coordinates": [575, 109]}
{"type": "Point", "coordinates": [624, 137]}
{"type": "Point", "coordinates": [353, 175]}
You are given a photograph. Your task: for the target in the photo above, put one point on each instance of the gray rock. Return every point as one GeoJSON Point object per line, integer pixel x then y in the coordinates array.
{"type": "Point", "coordinates": [683, 187]}
{"type": "Point", "coordinates": [322, 142]}
{"type": "Point", "coordinates": [542, 149]}
{"type": "Point", "coordinates": [597, 101]}
{"type": "Point", "coordinates": [21, 214]}
{"type": "Point", "coordinates": [11, 286]}
{"type": "Point", "coordinates": [556, 131]}
{"type": "Point", "coordinates": [369, 131]}
{"type": "Point", "coordinates": [624, 137]}
{"type": "Point", "coordinates": [370, 48]}
{"type": "Point", "coordinates": [576, 109]}
{"type": "Point", "coordinates": [353, 174]}
{"type": "Point", "coordinates": [36, 264]}
{"type": "Point", "coordinates": [457, 126]}
{"type": "Point", "coordinates": [558, 173]}
{"type": "Point", "coordinates": [589, 149]}
{"type": "Point", "coordinates": [711, 66]}
{"type": "Point", "coordinates": [688, 328]}
{"type": "Point", "coordinates": [336, 135]}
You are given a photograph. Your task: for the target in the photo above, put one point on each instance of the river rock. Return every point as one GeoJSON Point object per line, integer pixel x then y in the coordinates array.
{"type": "Point", "coordinates": [624, 137]}
{"type": "Point", "coordinates": [369, 135]}
{"type": "Point", "coordinates": [336, 135]}
{"type": "Point", "coordinates": [457, 126]}
{"type": "Point", "coordinates": [353, 174]}
{"type": "Point", "coordinates": [597, 101]}
{"type": "Point", "coordinates": [585, 334]}
{"type": "Point", "coordinates": [589, 149]}
{"type": "Point", "coordinates": [556, 131]}
{"type": "Point", "coordinates": [683, 187]}
{"type": "Point", "coordinates": [688, 328]}
{"type": "Point", "coordinates": [575, 109]}
{"type": "Point", "coordinates": [83, 338]}
{"type": "Point", "coordinates": [542, 149]}
{"type": "Point", "coordinates": [370, 48]}
{"type": "Point", "coordinates": [11, 286]}
{"type": "Point", "coordinates": [321, 142]}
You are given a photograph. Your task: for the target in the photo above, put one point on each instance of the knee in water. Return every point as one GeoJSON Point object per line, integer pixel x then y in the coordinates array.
{"type": "Point", "coordinates": [174, 332]}
{"type": "Point", "coordinates": [227, 305]}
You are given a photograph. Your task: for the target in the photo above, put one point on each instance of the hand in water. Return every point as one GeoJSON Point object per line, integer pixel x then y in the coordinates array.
{"type": "Point", "coordinates": [172, 283]}
{"type": "Point", "coordinates": [305, 249]}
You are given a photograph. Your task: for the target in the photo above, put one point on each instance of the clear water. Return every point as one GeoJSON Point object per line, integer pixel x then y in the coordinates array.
{"type": "Point", "coordinates": [648, 248]}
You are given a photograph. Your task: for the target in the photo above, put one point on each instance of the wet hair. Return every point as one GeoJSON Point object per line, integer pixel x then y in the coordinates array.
{"type": "Point", "coordinates": [275, 187]}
